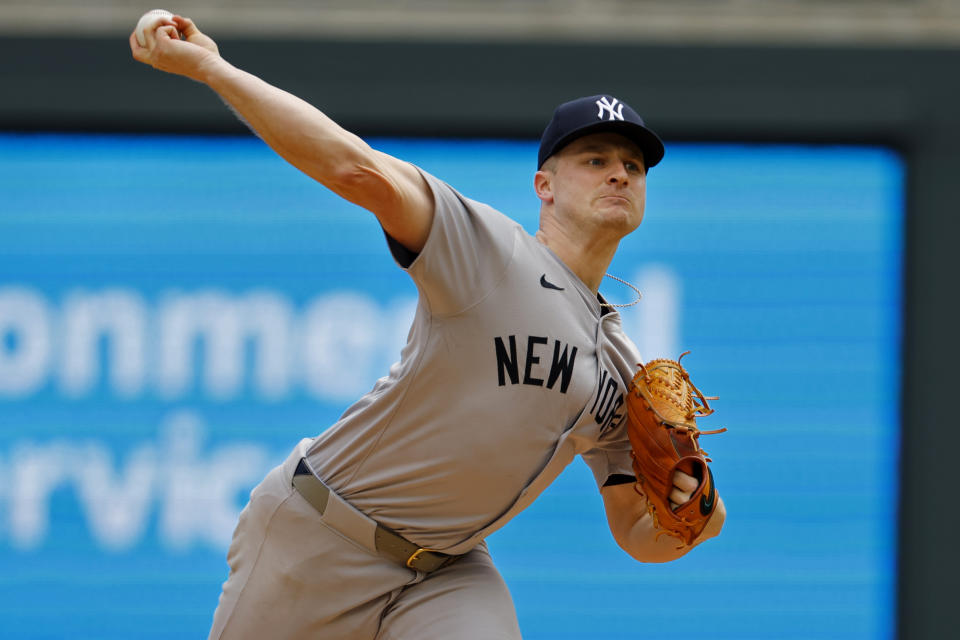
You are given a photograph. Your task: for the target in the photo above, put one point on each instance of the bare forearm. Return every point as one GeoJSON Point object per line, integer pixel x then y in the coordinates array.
{"type": "Point", "coordinates": [296, 130]}
{"type": "Point", "coordinates": [633, 526]}
{"type": "Point", "coordinates": [646, 543]}
{"type": "Point", "coordinates": [393, 190]}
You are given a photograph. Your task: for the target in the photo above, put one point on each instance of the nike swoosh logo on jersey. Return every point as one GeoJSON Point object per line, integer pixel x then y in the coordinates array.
{"type": "Point", "coordinates": [547, 284]}
{"type": "Point", "coordinates": [706, 504]}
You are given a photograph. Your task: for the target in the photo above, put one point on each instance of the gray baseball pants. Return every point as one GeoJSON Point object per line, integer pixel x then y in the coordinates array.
{"type": "Point", "coordinates": [295, 573]}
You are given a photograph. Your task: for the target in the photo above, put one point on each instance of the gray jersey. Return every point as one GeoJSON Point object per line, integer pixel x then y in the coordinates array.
{"type": "Point", "coordinates": [510, 370]}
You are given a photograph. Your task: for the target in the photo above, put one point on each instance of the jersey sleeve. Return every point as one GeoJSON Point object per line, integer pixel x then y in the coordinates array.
{"type": "Point", "coordinates": [468, 251]}
{"type": "Point", "coordinates": [611, 456]}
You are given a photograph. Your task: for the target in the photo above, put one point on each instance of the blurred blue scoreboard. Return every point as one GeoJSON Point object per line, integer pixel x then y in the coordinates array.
{"type": "Point", "coordinates": [177, 312]}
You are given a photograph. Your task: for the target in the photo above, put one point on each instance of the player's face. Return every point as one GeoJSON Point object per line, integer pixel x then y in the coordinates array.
{"type": "Point", "coordinates": [600, 180]}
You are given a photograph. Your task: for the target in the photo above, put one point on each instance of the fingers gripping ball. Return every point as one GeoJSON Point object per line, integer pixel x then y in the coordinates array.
{"type": "Point", "coordinates": [663, 405]}
{"type": "Point", "coordinates": [150, 21]}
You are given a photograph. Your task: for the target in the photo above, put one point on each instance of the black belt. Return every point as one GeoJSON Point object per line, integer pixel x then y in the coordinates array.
{"type": "Point", "coordinates": [389, 543]}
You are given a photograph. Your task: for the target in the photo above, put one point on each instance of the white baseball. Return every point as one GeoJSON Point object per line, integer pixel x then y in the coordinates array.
{"type": "Point", "coordinates": [150, 21]}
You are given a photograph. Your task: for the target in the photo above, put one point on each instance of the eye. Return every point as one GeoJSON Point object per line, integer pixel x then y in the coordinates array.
{"type": "Point", "coordinates": [633, 167]}
{"type": "Point", "coordinates": [596, 162]}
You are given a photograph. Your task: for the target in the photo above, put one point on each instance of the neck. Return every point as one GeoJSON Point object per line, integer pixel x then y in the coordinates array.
{"type": "Point", "coordinates": [589, 261]}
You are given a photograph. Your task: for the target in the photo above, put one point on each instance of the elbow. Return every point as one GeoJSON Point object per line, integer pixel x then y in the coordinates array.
{"type": "Point", "coordinates": [646, 544]}
{"type": "Point", "coordinates": [666, 550]}
{"type": "Point", "coordinates": [350, 174]}
{"type": "Point", "coordinates": [362, 183]}
{"type": "Point", "coordinates": [354, 168]}
{"type": "Point", "coordinates": [653, 546]}
{"type": "Point", "coordinates": [345, 165]}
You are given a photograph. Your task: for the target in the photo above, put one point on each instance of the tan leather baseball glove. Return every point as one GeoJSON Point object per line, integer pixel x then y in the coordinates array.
{"type": "Point", "coordinates": [663, 405]}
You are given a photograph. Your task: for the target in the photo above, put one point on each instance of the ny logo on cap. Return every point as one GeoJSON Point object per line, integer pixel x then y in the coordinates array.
{"type": "Point", "coordinates": [607, 106]}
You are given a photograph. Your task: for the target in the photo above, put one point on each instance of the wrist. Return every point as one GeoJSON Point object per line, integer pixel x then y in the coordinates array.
{"type": "Point", "coordinates": [212, 70]}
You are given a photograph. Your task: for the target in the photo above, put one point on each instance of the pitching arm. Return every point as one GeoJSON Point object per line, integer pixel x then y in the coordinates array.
{"type": "Point", "coordinates": [632, 525]}
{"type": "Point", "coordinates": [393, 190]}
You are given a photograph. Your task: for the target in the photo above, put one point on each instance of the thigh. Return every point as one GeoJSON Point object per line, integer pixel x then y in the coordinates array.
{"type": "Point", "coordinates": [467, 600]}
{"type": "Point", "coordinates": [292, 576]}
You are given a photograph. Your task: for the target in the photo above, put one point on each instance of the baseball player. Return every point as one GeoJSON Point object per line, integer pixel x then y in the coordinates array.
{"type": "Point", "coordinates": [514, 365]}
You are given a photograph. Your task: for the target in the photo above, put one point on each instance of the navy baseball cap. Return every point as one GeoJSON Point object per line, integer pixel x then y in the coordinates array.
{"type": "Point", "coordinates": [595, 114]}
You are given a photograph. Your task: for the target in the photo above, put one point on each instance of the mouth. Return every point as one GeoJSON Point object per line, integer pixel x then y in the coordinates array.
{"type": "Point", "coordinates": [616, 197]}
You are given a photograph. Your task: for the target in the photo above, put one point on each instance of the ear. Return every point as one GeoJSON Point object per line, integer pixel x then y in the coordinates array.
{"type": "Point", "coordinates": [543, 185]}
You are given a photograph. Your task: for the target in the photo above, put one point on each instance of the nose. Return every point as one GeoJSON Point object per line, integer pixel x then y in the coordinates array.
{"type": "Point", "coordinates": [618, 175]}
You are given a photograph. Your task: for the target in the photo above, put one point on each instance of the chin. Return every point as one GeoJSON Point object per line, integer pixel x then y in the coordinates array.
{"type": "Point", "coordinates": [622, 217]}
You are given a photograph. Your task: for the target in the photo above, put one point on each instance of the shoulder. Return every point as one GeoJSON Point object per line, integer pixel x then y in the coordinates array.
{"type": "Point", "coordinates": [455, 210]}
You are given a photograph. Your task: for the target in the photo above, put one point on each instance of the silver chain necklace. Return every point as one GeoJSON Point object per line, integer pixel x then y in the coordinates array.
{"type": "Point", "coordinates": [629, 304]}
